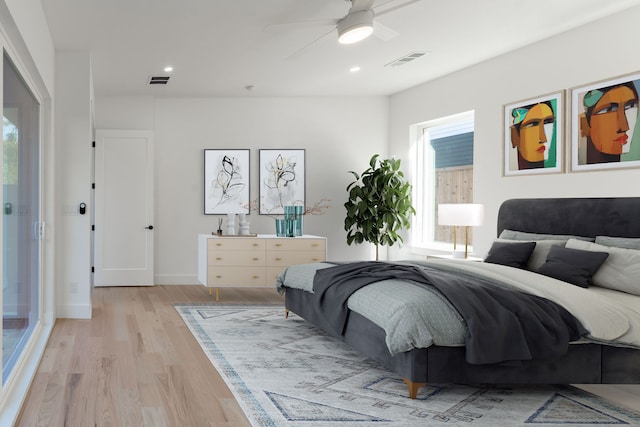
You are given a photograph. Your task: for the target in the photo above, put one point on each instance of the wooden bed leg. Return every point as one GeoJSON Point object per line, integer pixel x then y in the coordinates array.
{"type": "Point", "coordinates": [413, 388]}
{"type": "Point", "coordinates": [286, 313]}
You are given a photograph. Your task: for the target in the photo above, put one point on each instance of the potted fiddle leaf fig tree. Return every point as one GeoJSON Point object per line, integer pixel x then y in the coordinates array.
{"type": "Point", "coordinates": [379, 204]}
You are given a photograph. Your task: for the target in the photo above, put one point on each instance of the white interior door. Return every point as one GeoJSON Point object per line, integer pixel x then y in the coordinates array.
{"type": "Point", "coordinates": [123, 208]}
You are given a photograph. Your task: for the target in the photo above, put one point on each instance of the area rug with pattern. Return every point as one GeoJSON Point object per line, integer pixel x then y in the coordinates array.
{"type": "Point", "coordinates": [286, 372]}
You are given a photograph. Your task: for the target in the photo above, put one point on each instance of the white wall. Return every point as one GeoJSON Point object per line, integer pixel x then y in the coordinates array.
{"type": "Point", "coordinates": [30, 22]}
{"type": "Point", "coordinates": [339, 134]}
{"type": "Point", "coordinates": [73, 179]}
{"type": "Point", "coordinates": [596, 51]}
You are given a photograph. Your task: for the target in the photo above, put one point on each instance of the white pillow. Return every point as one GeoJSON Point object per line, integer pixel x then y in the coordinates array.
{"type": "Point", "coordinates": [621, 269]}
{"type": "Point", "coordinates": [619, 242]}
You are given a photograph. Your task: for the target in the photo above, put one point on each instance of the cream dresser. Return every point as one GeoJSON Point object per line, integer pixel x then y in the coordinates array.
{"type": "Point", "coordinates": [256, 261]}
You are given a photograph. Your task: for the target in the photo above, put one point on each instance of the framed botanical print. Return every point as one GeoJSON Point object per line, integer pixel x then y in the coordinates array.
{"type": "Point", "coordinates": [533, 130]}
{"type": "Point", "coordinates": [282, 180]}
{"type": "Point", "coordinates": [226, 181]}
{"type": "Point", "coordinates": [604, 115]}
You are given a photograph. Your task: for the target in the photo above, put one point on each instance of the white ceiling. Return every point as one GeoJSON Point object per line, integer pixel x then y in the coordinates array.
{"type": "Point", "coordinates": [219, 47]}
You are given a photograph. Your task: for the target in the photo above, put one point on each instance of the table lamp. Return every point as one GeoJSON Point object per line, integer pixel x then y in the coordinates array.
{"type": "Point", "coordinates": [461, 214]}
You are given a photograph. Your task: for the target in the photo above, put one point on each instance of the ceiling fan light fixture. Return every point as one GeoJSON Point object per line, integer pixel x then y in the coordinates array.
{"type": "Point", "coordinates": [356, 26]}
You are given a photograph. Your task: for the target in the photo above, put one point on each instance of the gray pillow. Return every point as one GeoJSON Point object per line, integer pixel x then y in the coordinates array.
{"type": "Point", "coordinates": [621, 270]}
{"type": "Point", "coordinates": [573, 266]}
{"type": "Point", "coordinates": [521, 235]}
{"type": "Point", "coordinates": [619, 242]}
{"type": "Point", "coordinates": [511, 254]}
{"type": "Point", "coordinates": [540, 252]}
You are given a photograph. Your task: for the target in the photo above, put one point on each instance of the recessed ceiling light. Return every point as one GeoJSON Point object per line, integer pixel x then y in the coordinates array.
{"type": "Point", "coordinates": [354, 69]}
{"type": "Point", "coordinates": [168, 69]}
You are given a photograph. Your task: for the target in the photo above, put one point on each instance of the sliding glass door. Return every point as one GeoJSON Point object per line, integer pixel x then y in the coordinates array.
{"type": "Point", "coordinates": [21, 225]}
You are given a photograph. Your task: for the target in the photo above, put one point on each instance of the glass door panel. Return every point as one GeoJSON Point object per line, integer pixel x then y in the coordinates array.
{"type": "Point", "coordinates": [21, 216]}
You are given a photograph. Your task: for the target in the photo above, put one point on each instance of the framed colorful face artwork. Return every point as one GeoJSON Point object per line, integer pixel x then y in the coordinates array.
{"type": "Point", "coordinates": [604, 134]}
{"type": "Point", "coordinates": [533, 130]}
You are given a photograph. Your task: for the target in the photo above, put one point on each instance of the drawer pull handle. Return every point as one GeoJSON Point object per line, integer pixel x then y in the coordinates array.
{"type": "Point", "coordinates": [255, 244]}
{"type": "Point", "coordinates": [218, 277]}
{"type": "Point", "coordinates": [218, 244]}
{"type": "Point", "coordinates": [218, 258]}
{"type": "Point", "coordinates": [256, 277]}
{"type": "Point", "coordinates": [256, 259]}
{"type": "Point", "coordinates": [314, 245]}
{"type": "Point", "coordinates": [278, 245]}
{"type": "Point", "coordinates": [278, 259]}
{"type": "Point", "coordinates": [314, 259]}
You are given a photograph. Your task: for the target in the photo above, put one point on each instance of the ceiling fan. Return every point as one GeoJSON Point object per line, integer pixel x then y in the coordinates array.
{"type": "Point", "coordinates": [358, 24]}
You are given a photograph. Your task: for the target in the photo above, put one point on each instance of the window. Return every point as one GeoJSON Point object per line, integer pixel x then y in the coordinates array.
{"type": "Point", "coordinates": [443, 173]}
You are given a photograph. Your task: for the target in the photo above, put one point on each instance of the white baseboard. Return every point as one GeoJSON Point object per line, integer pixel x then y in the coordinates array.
{"type": "Point", "coordinates": [176, 279]}
{"type": "Point", "coordinates": [73, 311]}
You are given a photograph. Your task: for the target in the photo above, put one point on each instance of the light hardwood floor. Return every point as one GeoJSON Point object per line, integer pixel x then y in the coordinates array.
{"type": "Point", "coordinates": [135, 363]}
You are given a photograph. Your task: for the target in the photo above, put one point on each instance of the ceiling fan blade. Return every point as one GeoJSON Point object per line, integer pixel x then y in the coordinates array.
{"type": "Point", "coordinates": [357, 5]}
{"type": "Point", "coordinates": [298, 52]}
{"type": "Point", "coordinates": [393, 8]}
{"type": "Point", "coordinates": [383, 32]}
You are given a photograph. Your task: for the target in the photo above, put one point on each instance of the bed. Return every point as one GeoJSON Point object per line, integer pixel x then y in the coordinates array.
{"type": "Point", "coordinates": [607, 349]}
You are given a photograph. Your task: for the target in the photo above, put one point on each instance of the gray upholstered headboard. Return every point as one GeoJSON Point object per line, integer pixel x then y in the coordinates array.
{"type": "Point", "coordinates": [590, 217]}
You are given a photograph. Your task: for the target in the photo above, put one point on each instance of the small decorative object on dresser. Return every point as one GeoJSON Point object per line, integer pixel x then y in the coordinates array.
{"type": "Point", "coordinates": [243, 225]}
{"type": "Point", "coordinates": [292, 220]}
{"type": "Point", "coordinates": [231, 223]}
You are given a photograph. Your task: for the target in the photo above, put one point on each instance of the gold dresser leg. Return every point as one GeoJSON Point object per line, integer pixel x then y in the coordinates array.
{"type": "Point", "coordinates": [286, 313]}
{"type": "Point", "coordinates": [413, 388]}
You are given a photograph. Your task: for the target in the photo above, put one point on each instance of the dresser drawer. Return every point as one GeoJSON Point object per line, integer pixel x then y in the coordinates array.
{"type": "Point", "coordinates": [235, 244]}
{"type": "Point", "coordinates": [253, 261]}
{"type": "Point", "coordinates": [286, 258]}
{"type": "Point", "coordinates": [236, 276]}
{"type": "Point", "coordinates": [296, 244]}
{"type": "Point", "coordinates": [236, 258]}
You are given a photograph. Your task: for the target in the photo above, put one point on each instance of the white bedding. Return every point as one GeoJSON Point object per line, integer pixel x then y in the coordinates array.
{"type": "Point", "coordinates": [606, 315]}
{"type": "Point", "coordinates": [415, 317]}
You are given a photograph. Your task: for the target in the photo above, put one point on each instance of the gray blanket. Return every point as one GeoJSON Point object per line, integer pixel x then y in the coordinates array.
{"type": "Point", "coordinates": [531, 327]}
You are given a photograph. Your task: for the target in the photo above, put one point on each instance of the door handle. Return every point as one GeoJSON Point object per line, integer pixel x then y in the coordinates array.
{"type": "Point", "coordinates": [149, 227]}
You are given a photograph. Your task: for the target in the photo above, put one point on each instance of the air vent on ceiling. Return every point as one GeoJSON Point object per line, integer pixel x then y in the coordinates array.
{"type": "Point", "coordinates": [407, 58]}
{"type": "Point", "coordinates": [158, 80]}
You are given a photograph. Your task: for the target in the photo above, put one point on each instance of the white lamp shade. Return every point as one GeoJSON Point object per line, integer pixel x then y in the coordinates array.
{"type": "Point", "coordinates": [463, 214]}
